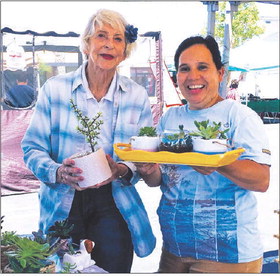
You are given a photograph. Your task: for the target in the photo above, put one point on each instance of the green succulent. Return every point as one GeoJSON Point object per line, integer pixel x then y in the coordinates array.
{"type": "Point", "coordinates": [207, 131]}
{"type": "Point", "coordinates": [8, 237]}
{"type": "Point", "coordinates": [148, 131]}
{"type": "Point", "coordinates": [90, 128]}
{"type": "Point", "coordinates": [29, 256]}
{"type": "Point", "coordinates": [61, 229]}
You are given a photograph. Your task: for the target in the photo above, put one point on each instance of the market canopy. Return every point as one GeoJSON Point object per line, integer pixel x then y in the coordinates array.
{"type": "Point", "coordinates": [260, 53]}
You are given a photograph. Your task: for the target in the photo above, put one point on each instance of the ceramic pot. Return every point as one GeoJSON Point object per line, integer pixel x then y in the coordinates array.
{"type": "Point", "coordinates": [82, 258]}
{"type": "Point", "coordinates": [144, 143]}
{"type": "Point", "coordinates": [95, 168]}
{"type": "Point", "coordinates": [211, 146]}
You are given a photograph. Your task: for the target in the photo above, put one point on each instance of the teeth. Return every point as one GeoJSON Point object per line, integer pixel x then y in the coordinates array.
{"type": "Point", "coordinates": [195, 86]}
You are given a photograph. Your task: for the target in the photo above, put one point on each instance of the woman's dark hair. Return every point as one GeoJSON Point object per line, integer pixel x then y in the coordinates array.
{"type": "Point", "coordinates": [208, 41]}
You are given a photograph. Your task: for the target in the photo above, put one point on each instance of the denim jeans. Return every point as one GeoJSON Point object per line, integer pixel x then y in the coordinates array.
{"type": "Point", "coordinates": [96, 217]}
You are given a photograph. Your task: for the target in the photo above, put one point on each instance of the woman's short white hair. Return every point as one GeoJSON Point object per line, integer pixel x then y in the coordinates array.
{"type": "Point", "coordinates": [101, 17]}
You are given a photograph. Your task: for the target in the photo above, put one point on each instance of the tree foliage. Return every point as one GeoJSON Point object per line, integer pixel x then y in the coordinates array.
{"type": "Point", "coordinates": [245, 23]}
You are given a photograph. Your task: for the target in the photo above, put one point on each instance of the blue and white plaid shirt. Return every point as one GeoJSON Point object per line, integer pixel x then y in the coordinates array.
{"type": "Point", "coordinates": [51, 137]}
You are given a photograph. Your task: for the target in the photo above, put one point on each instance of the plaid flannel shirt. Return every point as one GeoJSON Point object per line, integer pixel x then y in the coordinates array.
{"type": "Point", "coordinates": [51, 137]}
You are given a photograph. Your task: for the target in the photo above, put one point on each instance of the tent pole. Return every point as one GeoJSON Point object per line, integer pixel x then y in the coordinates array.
{"type": "Point", "coordinates": [231, 7]}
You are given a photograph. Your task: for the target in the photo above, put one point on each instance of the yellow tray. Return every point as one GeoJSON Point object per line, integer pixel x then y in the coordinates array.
{"type": "Point", "coordinates": [125, 153]}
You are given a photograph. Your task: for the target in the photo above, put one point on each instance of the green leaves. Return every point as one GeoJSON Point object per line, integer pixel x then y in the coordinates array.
{"type": "Point", "coordinates": [207, 131]}
{"type": "Point", "coordinates": [61, 229]}
{"type": "Point", "coordinates": [90, 128]}
{"type": "Point", "coordinates": [29, 255]}
{"type": "Point", "coordinates": [8, 237]}
{"type": "Point", "coordinates": [147, 131]}
{"type": "Point", "coordinates": [245, 23]}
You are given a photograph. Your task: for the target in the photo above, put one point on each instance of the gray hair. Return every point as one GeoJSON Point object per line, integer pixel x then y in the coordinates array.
{"type": "Point", "coordinates": [101, 17]}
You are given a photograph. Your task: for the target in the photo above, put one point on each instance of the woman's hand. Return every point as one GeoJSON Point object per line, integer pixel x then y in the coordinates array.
{"type": "Point", "coordinates": [146, 169]}
{"type": "Point", "coordinates": [150, 173]}
{"type": "Point", "coordinates": [68, 174]}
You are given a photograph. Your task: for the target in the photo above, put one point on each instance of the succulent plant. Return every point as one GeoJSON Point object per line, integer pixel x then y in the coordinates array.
{"type": "Point", "coordinates": [148, 131]}
{"type": "Point", "coordinates": [28, 256]}
{"type": "Point", "coordinates": [61, 229]}
{"type": "Point", "coordinates": [207, 131]}
{"type": "Point", "coordinates": [90, 128]}
{"type": "Point", "coordinates": [8, 237]}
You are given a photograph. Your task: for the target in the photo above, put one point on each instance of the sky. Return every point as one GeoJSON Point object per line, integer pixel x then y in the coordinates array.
{"type": "Point", "coordinates": [175, 19]}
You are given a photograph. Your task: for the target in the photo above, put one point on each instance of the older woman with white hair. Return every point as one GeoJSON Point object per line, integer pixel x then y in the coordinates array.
{"type": "Point", "coordinates": [113, 216]}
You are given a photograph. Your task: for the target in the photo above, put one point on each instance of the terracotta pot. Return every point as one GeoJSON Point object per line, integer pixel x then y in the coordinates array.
{"type": "Point", "coordinates": [211, 146]}
{"type": "Point", "coordinates": [95, 168]}
{"type": "Point", "coordinates": [144, 143]}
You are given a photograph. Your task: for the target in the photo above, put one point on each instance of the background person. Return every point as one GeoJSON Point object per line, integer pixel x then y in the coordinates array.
{"type": "Point", "coordinates": [112, 216]}
{"type": "Point", "coordinates": [208, 216]}
{"type": "Point", "coordinates": [233, 91]}
{"type": "Point", "coordinates": [21, 94]}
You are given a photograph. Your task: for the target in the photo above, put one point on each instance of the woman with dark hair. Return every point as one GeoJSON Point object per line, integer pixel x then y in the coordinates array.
{"type": "Point", "coordinates": [208, 214]}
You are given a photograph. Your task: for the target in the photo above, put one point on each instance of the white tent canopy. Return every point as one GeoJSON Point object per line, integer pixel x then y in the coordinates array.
{"type": "Point", "coordinates": [257, 54]}
{"type": "Point", "coordinates": [260, 58]}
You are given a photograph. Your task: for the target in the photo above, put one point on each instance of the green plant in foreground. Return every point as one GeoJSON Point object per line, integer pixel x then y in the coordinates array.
{"type": "Point", "coordinates": [8, 237]}
{"type": "Point", "coordinates": [148, 131]}
{"type": "Point", "coordinates": [29, 256]}
{"type": "Point", "coordinates": [207, 131]}
{"type": "Point", "coordinates": [90, 127]}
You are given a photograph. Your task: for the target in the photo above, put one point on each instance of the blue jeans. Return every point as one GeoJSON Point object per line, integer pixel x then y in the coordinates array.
{"type": "Point", "coordinates": [96, 217]}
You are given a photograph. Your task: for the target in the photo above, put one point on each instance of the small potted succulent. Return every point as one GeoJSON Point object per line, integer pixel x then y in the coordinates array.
{"type": "Point", "coordinates": [93, 163]}
{"type": "Point", "coordinates": [177, 141]}
{"type": "Point", "coordinates": [81, 258]}
{"type": "Point", "coordinates": [209, 138]}
{"type": "Point", "coordinates": [146, 140]}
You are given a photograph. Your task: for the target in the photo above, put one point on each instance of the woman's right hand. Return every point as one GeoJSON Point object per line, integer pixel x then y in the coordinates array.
{"type": "Point", "coordinates": [70, 175]}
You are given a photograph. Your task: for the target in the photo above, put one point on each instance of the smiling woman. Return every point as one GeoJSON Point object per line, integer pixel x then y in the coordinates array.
{"type": "Point", "coordinates": [94, 87]}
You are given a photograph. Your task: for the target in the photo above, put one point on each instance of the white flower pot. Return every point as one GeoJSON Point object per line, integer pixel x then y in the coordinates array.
{"type": "Point", "coordinates": [95, 168]}
{"type": "Point", "coordinates": [211, 146]}
{"type": "Point", "coordinates": [144, 143]}
{"type": "Point", "coordinates": [81, 259]}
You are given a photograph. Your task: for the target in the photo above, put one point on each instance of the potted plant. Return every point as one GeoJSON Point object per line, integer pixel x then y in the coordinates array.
{"type": "Point", "coordinates": [209, 138]}
{"type": "Point", "coordinates": [81, 258]}
{"type": "Point", "coordinates": [93, 163]}
{"type": "Point", "coordinates": [147, 139]}
{"type": "Point", "coordinates": [39, 252]}
{"type": "Point", "coordinates": [29, 256]}
{"type": "Point", "coordinates": [177, 141]}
